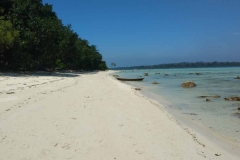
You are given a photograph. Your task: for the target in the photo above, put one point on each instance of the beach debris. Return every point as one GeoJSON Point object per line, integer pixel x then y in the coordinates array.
{"type": "Point", "coordinates": [194, 114]}
{"type": "Point", "coordinates": [138, 89]}
{"type": "Point", "coordinates": [238, 77]}
{"type": "Point", "coordinates": [208, 100]}
{"type": "Point", "coordinates": [10, 92]}
{"type": "Point", "coordinates": [215, 96]}
{"type": "Point", "coordinates": [188, 84]}
{"type": "Point", "coordinates": [217, 154]}
{"type": "Point", "coordinates": [145, 74]}
{"type": "Point", "coordinates": [232, 99]}
{"type": "Point", "coordinates": [115, 75]}
{"type": "Point", "coordinates": [154, 82]}
{"type": "Point", "coordinates": [166, 74]}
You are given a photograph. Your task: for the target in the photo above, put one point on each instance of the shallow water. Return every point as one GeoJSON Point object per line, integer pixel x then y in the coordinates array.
{"type": "Point", "coordinates": [219, 115]}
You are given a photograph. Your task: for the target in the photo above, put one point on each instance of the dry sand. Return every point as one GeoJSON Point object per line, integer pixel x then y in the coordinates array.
{"type": "Point", "coordinates": [90, 116]}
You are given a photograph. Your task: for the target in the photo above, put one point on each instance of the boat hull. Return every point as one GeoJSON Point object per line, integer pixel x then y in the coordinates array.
{"type": "Point", "coordinates": [130, 79]}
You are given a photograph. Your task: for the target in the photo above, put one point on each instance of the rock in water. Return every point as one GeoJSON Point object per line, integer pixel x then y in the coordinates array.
{"type": "Point", "coordinates": [145, 74]}
{"type": "Point", "coordinates": [154, 82]}
{"type": "Point", "coordinates": [232, 99]}
{"type": "Point", "coordinates": [188, 84]}
{"type": "Point", "coordinates": [238, 77]}
{"type": "Point", "coordinates": [208, 100]}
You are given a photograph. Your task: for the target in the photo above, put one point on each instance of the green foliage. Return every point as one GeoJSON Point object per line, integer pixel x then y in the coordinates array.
{"type": "Point", "coordinates": [102, 66]}
{"type": "Point", "coordinates": [7, 33]}
{"type": "Point", "coordinates": [59, 64]}
{"type": "Point", "coordinates": [33, 38]}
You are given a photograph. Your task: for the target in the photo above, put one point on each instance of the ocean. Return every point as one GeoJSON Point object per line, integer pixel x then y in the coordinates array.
{"type": "Point", "coordinates": [219, 116]}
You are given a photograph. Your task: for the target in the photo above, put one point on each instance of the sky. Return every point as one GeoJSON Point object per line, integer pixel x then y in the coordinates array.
{"type": "Point", "coordinates": [148, 32]}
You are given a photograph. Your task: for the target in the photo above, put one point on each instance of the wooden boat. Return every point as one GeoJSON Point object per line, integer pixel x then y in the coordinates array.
{"type": "Point", "coordinates": [130, 79]}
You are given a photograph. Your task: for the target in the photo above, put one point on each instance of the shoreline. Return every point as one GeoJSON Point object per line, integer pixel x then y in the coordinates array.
{"type": "Point", "coordinates": [192, 128]}
{"type": "Point", "coordinates": [226, 143]}
{"type": "Point", "coordinates": [91, 116]}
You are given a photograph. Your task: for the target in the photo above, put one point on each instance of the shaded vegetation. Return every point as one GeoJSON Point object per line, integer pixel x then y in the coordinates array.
{"type": "Point", "coordinates": [32, 37]}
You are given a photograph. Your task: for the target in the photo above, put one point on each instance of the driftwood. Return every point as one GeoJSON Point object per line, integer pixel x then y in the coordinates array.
{"type": "Point", "coordinates": [10, 92]}
{"type": "Point", "coordinates": [215, 96]}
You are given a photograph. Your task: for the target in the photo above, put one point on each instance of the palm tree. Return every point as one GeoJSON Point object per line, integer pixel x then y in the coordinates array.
{"type": "Point", "coordinates": [113, 64]}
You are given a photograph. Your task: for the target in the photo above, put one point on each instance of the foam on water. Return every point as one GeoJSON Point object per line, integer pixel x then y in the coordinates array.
{"type": "Point", "coordinates": [218, 115]}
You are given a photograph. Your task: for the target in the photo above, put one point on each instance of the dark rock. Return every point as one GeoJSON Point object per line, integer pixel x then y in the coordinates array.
{"type": "Point", "coordinates": [188, 84]}
{"type": "Point", "coordinates": [154, 82]}
{"type": "Point", "coordinates": [238, 108]}
{"type": "Point", "coordinates": [236, 115]}
{"type": "Point", "coordinates": [145, 74]}
{"type": "Point", "coordinates": [138, 89]}
{"type": "Point", "coordinates": [198, 73]}
{"type": "Point", "coordinates": [238, 77]}
{"type": "Point", "coordinates": [208, 100]}
{"type": "Point", "coordinates": [232, 99]}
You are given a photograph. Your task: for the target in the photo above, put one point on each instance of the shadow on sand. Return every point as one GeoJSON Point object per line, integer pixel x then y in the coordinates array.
{"type": "Point", "coordinates": [47, 74]}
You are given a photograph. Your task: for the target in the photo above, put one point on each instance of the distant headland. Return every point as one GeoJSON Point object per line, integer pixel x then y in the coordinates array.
{"type": "Point", "coordinates": [183, 65]}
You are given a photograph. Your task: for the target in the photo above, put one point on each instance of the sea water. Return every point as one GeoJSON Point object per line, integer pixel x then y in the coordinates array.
{"type": "Point", "coordinates": [218, 115]}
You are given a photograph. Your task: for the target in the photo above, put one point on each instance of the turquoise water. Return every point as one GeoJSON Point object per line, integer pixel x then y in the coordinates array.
{"type": "Point", "coordinates": [218, 115]}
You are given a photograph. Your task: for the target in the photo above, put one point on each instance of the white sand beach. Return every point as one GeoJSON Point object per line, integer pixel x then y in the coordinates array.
{"type": "Point", "coordinates": [91, 116]}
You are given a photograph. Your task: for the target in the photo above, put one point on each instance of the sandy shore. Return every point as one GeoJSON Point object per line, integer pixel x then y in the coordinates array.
{"type": "Point", "coordinates": [90, 116]}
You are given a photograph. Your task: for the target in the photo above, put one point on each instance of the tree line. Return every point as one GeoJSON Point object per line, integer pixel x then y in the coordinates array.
{"type": "Point", "coordinates": [32, 37]}
{"type": "Point", "coordinates": [186, 65]}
